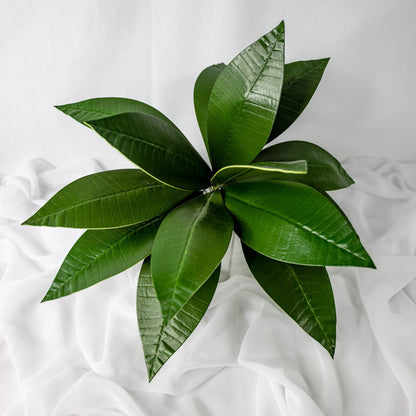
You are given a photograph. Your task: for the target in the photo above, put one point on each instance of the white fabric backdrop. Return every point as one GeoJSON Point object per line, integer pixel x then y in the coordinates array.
{"type": "Point", "coordinates": [81, 355]}
{"type": "Point", "coordinates": [56, 52]}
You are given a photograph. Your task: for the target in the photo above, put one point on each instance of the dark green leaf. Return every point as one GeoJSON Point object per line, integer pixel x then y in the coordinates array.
{"type": "Point", "coordinates": [303, 292]}
{"type": "Point", "coordinates": [244, 101]}
{"type": "Point", "coordinates": [189, 245]}
{"type": "Point", "coordinates": [96, 108]}
{"type": "Point", "coordinates": [325, 173]}
{"type": "Point", "coordinates": [110, 199]}
{"type": "Point", "coordinates": [157, 147]}
{"type": "Point", "coordinates": [202, 92]}
{"type": "Point", "coordinates": [300, 82]}
{"type": "Point", "coordinates": [100, 254]}
{"type": "Point", "coordinates": [160, 341]}
{"type": "Point", "coordinates": [294, 223]}
{"type": "Point", "coordinates": [258, 170]}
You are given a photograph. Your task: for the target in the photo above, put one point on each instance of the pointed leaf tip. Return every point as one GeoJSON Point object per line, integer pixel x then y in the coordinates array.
{"type": "Point", "coordinates": [325, 173]}
{"type": "Point", "coordinates": [303, 292]}
{"type": "Point", "coordinates": [161, 341]}
{"type": "Point", "coordinates": [101, 254]}
{"type": "Point", "coordinates": [98, 108]}
{"type": "Point", "coordinates": [46, 298]}
{"type": "Point", "coordinates": [130, 195]}
{"type": "Point", "coordinates": [244, 100]}
{"type": "Point", "coordinates": [273, 222]}
{"type": "Point", "coordinates": [301, 79]}
{"type": "Point", "coordinates": [371, 264]}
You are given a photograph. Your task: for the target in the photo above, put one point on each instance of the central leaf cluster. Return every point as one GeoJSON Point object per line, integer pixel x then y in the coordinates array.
{"type": "Point", "coordinates": [179, 214]}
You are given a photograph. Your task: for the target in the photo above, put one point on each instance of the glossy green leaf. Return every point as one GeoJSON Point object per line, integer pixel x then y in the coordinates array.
{"type": "Point", "coordinates": [157, 147]}
{"type": "Point", "coordinates": [202, 92]}
{"type": "Point", "coordinates": [258, 170]}
{"type": "Point", "coordinates": [160, 341]}
{"type": "Point", "coordinates": [294, 223]}
{"type": "Point", "coordinates": [300, 82]}
{"type": "Point", "coordinates": [96, 108]}
{"type": "Point", "coordinates": [244, 101]}
{"type": "Point", "coordinates": [100, 254]}
{"type": "Point", "coordinates": [114, 198]}
{"type": "Point", "coordinates": [325, 173]}
{"type": "Point", "coordinates": [303, 292]}
{"type": "Point", "coordinates": [189, 245]}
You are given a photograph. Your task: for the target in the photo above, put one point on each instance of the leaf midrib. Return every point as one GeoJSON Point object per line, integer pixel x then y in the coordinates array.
{"type": "Point", "coordinates": [163, 329]}
{"type": "Point", "coordinates": [248, 93]}
{"type": "Point", "coordinates": [299, 77]}
{"type": "Point", "coordinates": [188, 239]}
{"type": "Point", "coordinates": [136, 188]}
{"type": "Point", "coordinates": [312, 309]}
{"type": "Point", "coordinates": [296, 224]}
{"type": "Point", "coordinates": [337, 171]}
{"type": "Point", "coordinates": [247, 168]}
{"type": "Point", "coordinates": [151, 144]}
{"type": "Point", "coordinates": [161, 332]}
{"type": "Point", "coordinates": [108, 249]}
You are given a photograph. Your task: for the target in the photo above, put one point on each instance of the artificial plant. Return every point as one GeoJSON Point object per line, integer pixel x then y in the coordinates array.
{"type": "Point", "coordinates": [177, 214]}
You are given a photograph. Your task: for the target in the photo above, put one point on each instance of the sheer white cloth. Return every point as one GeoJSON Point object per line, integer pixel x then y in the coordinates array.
{"type": "Point", "coordinates": [81, 355]}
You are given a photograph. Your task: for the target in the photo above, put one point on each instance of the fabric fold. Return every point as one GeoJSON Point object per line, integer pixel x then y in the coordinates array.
{"type": "Point", "coordinates": [81, 355]}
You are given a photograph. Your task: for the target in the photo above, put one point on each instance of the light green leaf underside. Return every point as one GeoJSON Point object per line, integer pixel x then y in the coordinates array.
{"type": "Point", "coordinates": [189, 245]}
{"type": "Point", "coordinates": [258, 170]}
{"type": "Point", "coordinates": [160, 341]}
{"type": "Point", "coordinates": [110, 199]}
{"type": "Point", "coordinates": [244, 100]}
{"type": "Point", "coordinates": [325, 173]}
{"type": "Point", "coordinates": [202, 92]}
{"type": "Point", "coordinates": [100, 254]}
{"type": "Point", "coordinates": [97, 108]}
{"type": "Point", "coordinates": [303, 292]}
{"type": "Point", "coordinates": [299, 84]}
{"type": "Point", "coordinates": [294, 223]}
{"type": "Point", "coordinates": [157, 147]}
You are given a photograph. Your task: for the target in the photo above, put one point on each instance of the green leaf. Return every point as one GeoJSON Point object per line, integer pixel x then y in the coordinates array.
{"type": "Point", "coordinates": [100, 254]}
{"type": "Point", "coordinates": [325, 173]}
{"type": "Point", "coordinates": [189, 245]}
{"type": "Point", "coordinates": [294, 223]}
{"type": "Point", "coordinates": [202, 92]}
{"type": "Point", "coordinates": [303, 292]}
{"type": "Point", "coordinates": [244, 101]}
{"type": "Point", "coordinates": [258, 170]}
{"type": "Point", "coordinates": [110, 199]}
{"type": "Point", "coordinates": [300, 82]}
{"type": "Point", "coordinates": [161, 341]}
{"type": "Point", "coordinates": [96, 108]}
{"type": "Point", "coordinates": [158, 148]}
